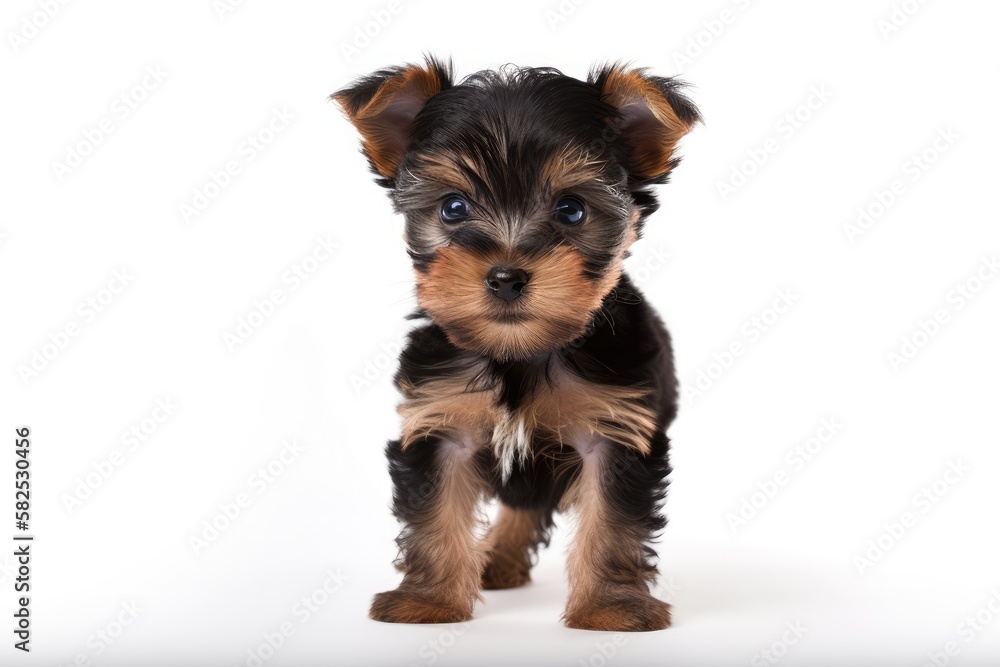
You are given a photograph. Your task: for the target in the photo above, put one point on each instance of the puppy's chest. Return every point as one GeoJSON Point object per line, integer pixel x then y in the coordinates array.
{"type": "Point", "coordinates": [560, 409]}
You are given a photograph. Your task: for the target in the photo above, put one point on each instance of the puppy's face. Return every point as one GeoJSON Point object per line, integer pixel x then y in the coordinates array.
{"type": "Point", "coordinates": [521, 190]}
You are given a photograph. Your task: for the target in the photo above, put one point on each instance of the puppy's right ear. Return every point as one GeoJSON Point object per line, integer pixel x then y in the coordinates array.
{"type": "Point", "coordinates": [383, 105]}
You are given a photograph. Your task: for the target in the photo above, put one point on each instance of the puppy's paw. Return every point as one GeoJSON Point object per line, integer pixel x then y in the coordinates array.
{"type": "Point", "coordinates": [403, 606]}
{"type": "Point", "coordinates": [635, 613]}
{"type": "Point", "coordinates": [505, 573]}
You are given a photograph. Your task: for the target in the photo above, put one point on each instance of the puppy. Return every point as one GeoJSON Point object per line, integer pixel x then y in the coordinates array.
{"type": "Point", "coordinates": [541, 378]}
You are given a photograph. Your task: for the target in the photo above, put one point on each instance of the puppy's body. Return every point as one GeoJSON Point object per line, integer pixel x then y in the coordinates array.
{"type": "Point", "coordinates": [543, 379]}
{"type": "Point", "coordinates": [615, 383]}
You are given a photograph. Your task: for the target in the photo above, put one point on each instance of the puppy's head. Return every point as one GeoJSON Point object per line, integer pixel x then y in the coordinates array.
{"type": "Point", "coordinates": [522, 189]}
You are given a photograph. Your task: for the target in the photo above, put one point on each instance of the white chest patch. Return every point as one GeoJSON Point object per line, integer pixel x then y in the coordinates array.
{"type": "Point", "coordinates": [511, 441]}
{"type": "Point", "coordinates": [566, 410]}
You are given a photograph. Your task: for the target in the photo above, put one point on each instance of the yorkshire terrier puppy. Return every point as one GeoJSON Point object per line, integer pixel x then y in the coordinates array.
{"type": "Point", "coordinates": [541, 378]}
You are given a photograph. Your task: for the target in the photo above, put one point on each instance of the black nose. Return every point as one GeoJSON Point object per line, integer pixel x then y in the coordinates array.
{"type": "Point", "coordinates": [506, 282]}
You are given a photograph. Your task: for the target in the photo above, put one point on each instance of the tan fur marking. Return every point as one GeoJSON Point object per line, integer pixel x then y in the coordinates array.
{"type": "Point", "coordinates": [632, 232]}
{"type": "Point", "coordinates": [444, 168]}
{"type": "Point", "coordinates": [449, 407]}
{"type": "Point", "coordinates": [454, 407]}
{"type": "Point", "coordinates": [654, 151]}
{"type": "Point", "coordinates": [606, 564]}
{"type": "Point", "coordinates": [456, 550]}
{"type": "Point", "coordinates": [570, 169]}
{"type": "Point", "coordinates": [445, 555]}
{"type": "Point", "coordinates": [514, 535]}
{"type": "Point", "coordinates": [555, 307]}
{"type": "Point", "coordinates": [408, 91]}
{"type": "Point", "coordinates": [618, 414]}
{"type": "Point", "coordinates": [585, 497]}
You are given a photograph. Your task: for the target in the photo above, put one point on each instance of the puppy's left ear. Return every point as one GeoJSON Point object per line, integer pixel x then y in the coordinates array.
{"type": "Point", "coordinates": [653, 115]}
{"type": "Point", "coordinates": [382, 107]}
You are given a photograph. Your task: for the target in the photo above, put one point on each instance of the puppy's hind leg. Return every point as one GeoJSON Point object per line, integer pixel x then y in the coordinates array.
{"type": "Point", "coordinates": [514, 538]}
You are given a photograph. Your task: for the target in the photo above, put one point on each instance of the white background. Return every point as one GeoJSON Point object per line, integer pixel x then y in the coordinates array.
{"type": "Point", "coordinates": [317, 371]}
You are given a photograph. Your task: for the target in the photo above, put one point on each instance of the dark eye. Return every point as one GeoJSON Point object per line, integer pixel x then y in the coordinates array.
{"type": "Point", "coordinates": [454, 209]}
{"type": "Point", "coordinates": [569, 211]}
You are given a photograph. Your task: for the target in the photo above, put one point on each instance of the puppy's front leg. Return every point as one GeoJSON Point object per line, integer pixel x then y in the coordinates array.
{"type": "Point", "coordinates": [616, 499]}
{"type": "Point", "coordinates": [437, 488]}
